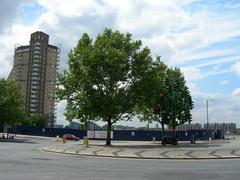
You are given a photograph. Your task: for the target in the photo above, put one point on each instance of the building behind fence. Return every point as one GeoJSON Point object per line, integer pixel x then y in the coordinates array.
{"type": "Point", "coordinates": [133, 135]}
{"type": "Point", "coordinates": [225, 127]}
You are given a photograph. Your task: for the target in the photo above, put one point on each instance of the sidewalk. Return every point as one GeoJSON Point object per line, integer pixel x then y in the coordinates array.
{"type": "Point", "coordinates": [24, 138]}
{"type": "Point", "coordinates": [35, 137]}
{"type": "Point", "coordinates": [218, 149]}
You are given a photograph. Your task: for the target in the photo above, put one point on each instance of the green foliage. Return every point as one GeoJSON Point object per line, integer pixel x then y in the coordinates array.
{"type": "Point", "coordinates": [168, 100]}
{"type": "Point", "coordinates": [152, 85]}
{"type": "Point", "coordinates": [11, 103]}
{"type": "Point", "coordinates": [26, 122]}
{"type": "Point", "coordinates": [177, 99]}
{"type": "Point", "coordinates": [38, 120]}
{"type": "Point", "coordinates": [113, 78]}
{"type": "Point", "coordinates": [104, 78]}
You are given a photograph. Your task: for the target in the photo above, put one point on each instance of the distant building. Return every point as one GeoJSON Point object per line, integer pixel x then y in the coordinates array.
{"type": "Point", "coordinates": [186, 127]}
{"type": "Point", "coordinates": [74, 125]}
{"type": "Point", "coordinates": [93, 126]}
{"type": "Point", "coordinates": [58, 126]}
{"type": "Point", "coordinates": [89, 126]}
{"type": "Point", "coordinates": [226, 127]}
{"type": "Point", "coordinates": [35, 67]}
{"type": "Point", "coordinates": [121, 127]}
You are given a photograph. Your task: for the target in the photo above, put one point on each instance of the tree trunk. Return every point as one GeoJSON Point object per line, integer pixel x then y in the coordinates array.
{"type": "Point", "coordinates": [174, 133]}
{"type": "Point", "coordinates": [109, 125]}
{"type": "Point", "coordinates": [162, 124]}
{"type": "Point", "coordinates": [1, 127]}
{"type": "Point", "coordinates": [175, 140]}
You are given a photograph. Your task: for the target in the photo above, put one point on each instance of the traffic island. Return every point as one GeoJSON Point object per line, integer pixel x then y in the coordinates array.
{"type": "Point", "coordinates": [147, 150]}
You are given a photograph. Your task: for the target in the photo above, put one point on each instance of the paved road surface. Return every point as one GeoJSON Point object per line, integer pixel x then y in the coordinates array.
{"type": "Point", "coordinates": [23, 161]}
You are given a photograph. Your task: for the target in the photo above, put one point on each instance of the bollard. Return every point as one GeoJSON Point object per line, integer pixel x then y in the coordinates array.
{"type": "Point", "coordinates": [154, 140]}
{"type": "Point", "coordinates": [210, 140]}
{"type": "Point", "coordinates": [193, 139]}
{"type": "Point", "coordinates": [57, 138]}
{"type": "Point", "coordinates": [85, 141]}
{"type": "Point", "coordinates": [64, 139]}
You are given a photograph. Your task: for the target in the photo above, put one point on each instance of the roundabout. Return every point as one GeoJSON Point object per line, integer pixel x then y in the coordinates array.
{"type": "Point", "coordinates": [219, 149]}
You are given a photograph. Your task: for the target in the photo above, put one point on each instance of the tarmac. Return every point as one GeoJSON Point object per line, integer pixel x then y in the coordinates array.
{"type": "Point", "coordinates": [216, 149]}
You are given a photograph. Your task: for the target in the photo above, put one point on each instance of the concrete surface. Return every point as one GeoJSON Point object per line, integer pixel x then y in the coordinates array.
{"type": "Point", "coordinates": [23, 160]}
{"type": "Point", "coordinates": [218, 149]}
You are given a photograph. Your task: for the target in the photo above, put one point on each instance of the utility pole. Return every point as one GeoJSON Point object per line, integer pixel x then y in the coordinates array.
{"type": "Point", "coordinates": [208, 130]}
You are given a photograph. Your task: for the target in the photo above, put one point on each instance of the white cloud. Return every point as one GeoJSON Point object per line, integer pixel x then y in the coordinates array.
{"type": "Point", "coordinates": [236, 92]}
{"type": "Point", "coordinates": [219, 53]}
{"type": "Point", "coordinates": [217, 72]}
{"type": "Point", "coordinates": [8, 13]}
{"type": "Point", "coordinates": [232, 6]}
{"type": "Point", "coordinates": [61, 119]}
{"type": "Point", "coordinates": [217, 61]}
{"type": "Point", "coordinates": [224, 83]}
{"type": "Point", "coordinates": [236, 67]}
{"type": "Point", "coordinates": [17, 34]}
{"type": "Point", "coordinates": [192, 73]}
{"type": "Point", "coordinates": [165, 26]}
{"type": "Point", "coordinates": [71, 9]}
{"type": "Point", "coordinates": [224, 108]}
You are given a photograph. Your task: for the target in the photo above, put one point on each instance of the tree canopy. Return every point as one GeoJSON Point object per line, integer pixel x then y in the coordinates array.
{"type": "Point", "coordinates": [103, 77]}
{"type": "Point", "coordinates": [38, 120]}
{"type": "Point", "coordinates": [177, 101]}
{"type": "Point", "coordinates": [168, 101]}
{"type": "Point", "coordinates": [113, 77]}
{"type": "Point", "coordinates": [11, 103]}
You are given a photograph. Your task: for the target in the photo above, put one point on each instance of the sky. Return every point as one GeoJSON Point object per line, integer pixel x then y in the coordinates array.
{"type": "Point", "coordinates": [201, 37]}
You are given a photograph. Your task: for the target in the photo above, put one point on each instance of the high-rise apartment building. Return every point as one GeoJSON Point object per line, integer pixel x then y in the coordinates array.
{"type": "Point", "coordinates": [187, 127]}
{"type": "Point", "coordinates": [35, 68]}
{"type": "Point", "coordinates": [225, 127]}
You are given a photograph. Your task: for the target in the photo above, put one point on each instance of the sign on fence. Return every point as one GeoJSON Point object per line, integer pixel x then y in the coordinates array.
{"type": "Point", "coordinates": [98, 134]}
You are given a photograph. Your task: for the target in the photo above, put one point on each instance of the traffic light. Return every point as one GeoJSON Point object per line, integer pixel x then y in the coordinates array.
{"type": "Point", "coordinates": [157, 107]}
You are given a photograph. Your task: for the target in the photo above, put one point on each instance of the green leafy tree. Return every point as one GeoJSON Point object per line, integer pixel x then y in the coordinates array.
{"type": "Point", "coordinates": [26, 121]}
{"type": "Point", "coordinates": [167, 99]}
{"type": "Point", "coordinates": [11, 103]}
{"type": "Point", "coordinates": [177, 100]}
{"type": "Point", "coordinates": [38, 120]}
{"type": "Point", "coordinates": [103, 77]}
{"type": "Point", "coordinates": [151, 90]}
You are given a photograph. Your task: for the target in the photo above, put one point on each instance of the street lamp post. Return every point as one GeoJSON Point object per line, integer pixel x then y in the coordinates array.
{"type": "Point", "coordinates": [208, 117]}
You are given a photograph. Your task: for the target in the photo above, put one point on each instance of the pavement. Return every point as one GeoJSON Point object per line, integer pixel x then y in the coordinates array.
{"type": "Point", "coordinates": [24, 161]}
{"type": "Point", "coordinates": [217, 149]}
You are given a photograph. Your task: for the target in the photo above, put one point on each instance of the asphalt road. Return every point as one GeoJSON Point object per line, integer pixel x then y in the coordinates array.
{"type": "Point", "coordinates": [24, 161]}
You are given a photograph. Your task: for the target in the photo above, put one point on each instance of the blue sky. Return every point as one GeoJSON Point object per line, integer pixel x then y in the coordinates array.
{"type": "Point", "coordinates": [202, 37]}
{"type": "Point", "coordinates": [29, 12]}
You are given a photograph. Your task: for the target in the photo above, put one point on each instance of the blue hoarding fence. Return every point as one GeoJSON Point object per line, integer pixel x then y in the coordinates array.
{"type": "Point", "coordinates": [130, 135]}
{"type": "Point", "coordinates": [181, 135]}
{"type": "Point", "coordinates": [51, 132]}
